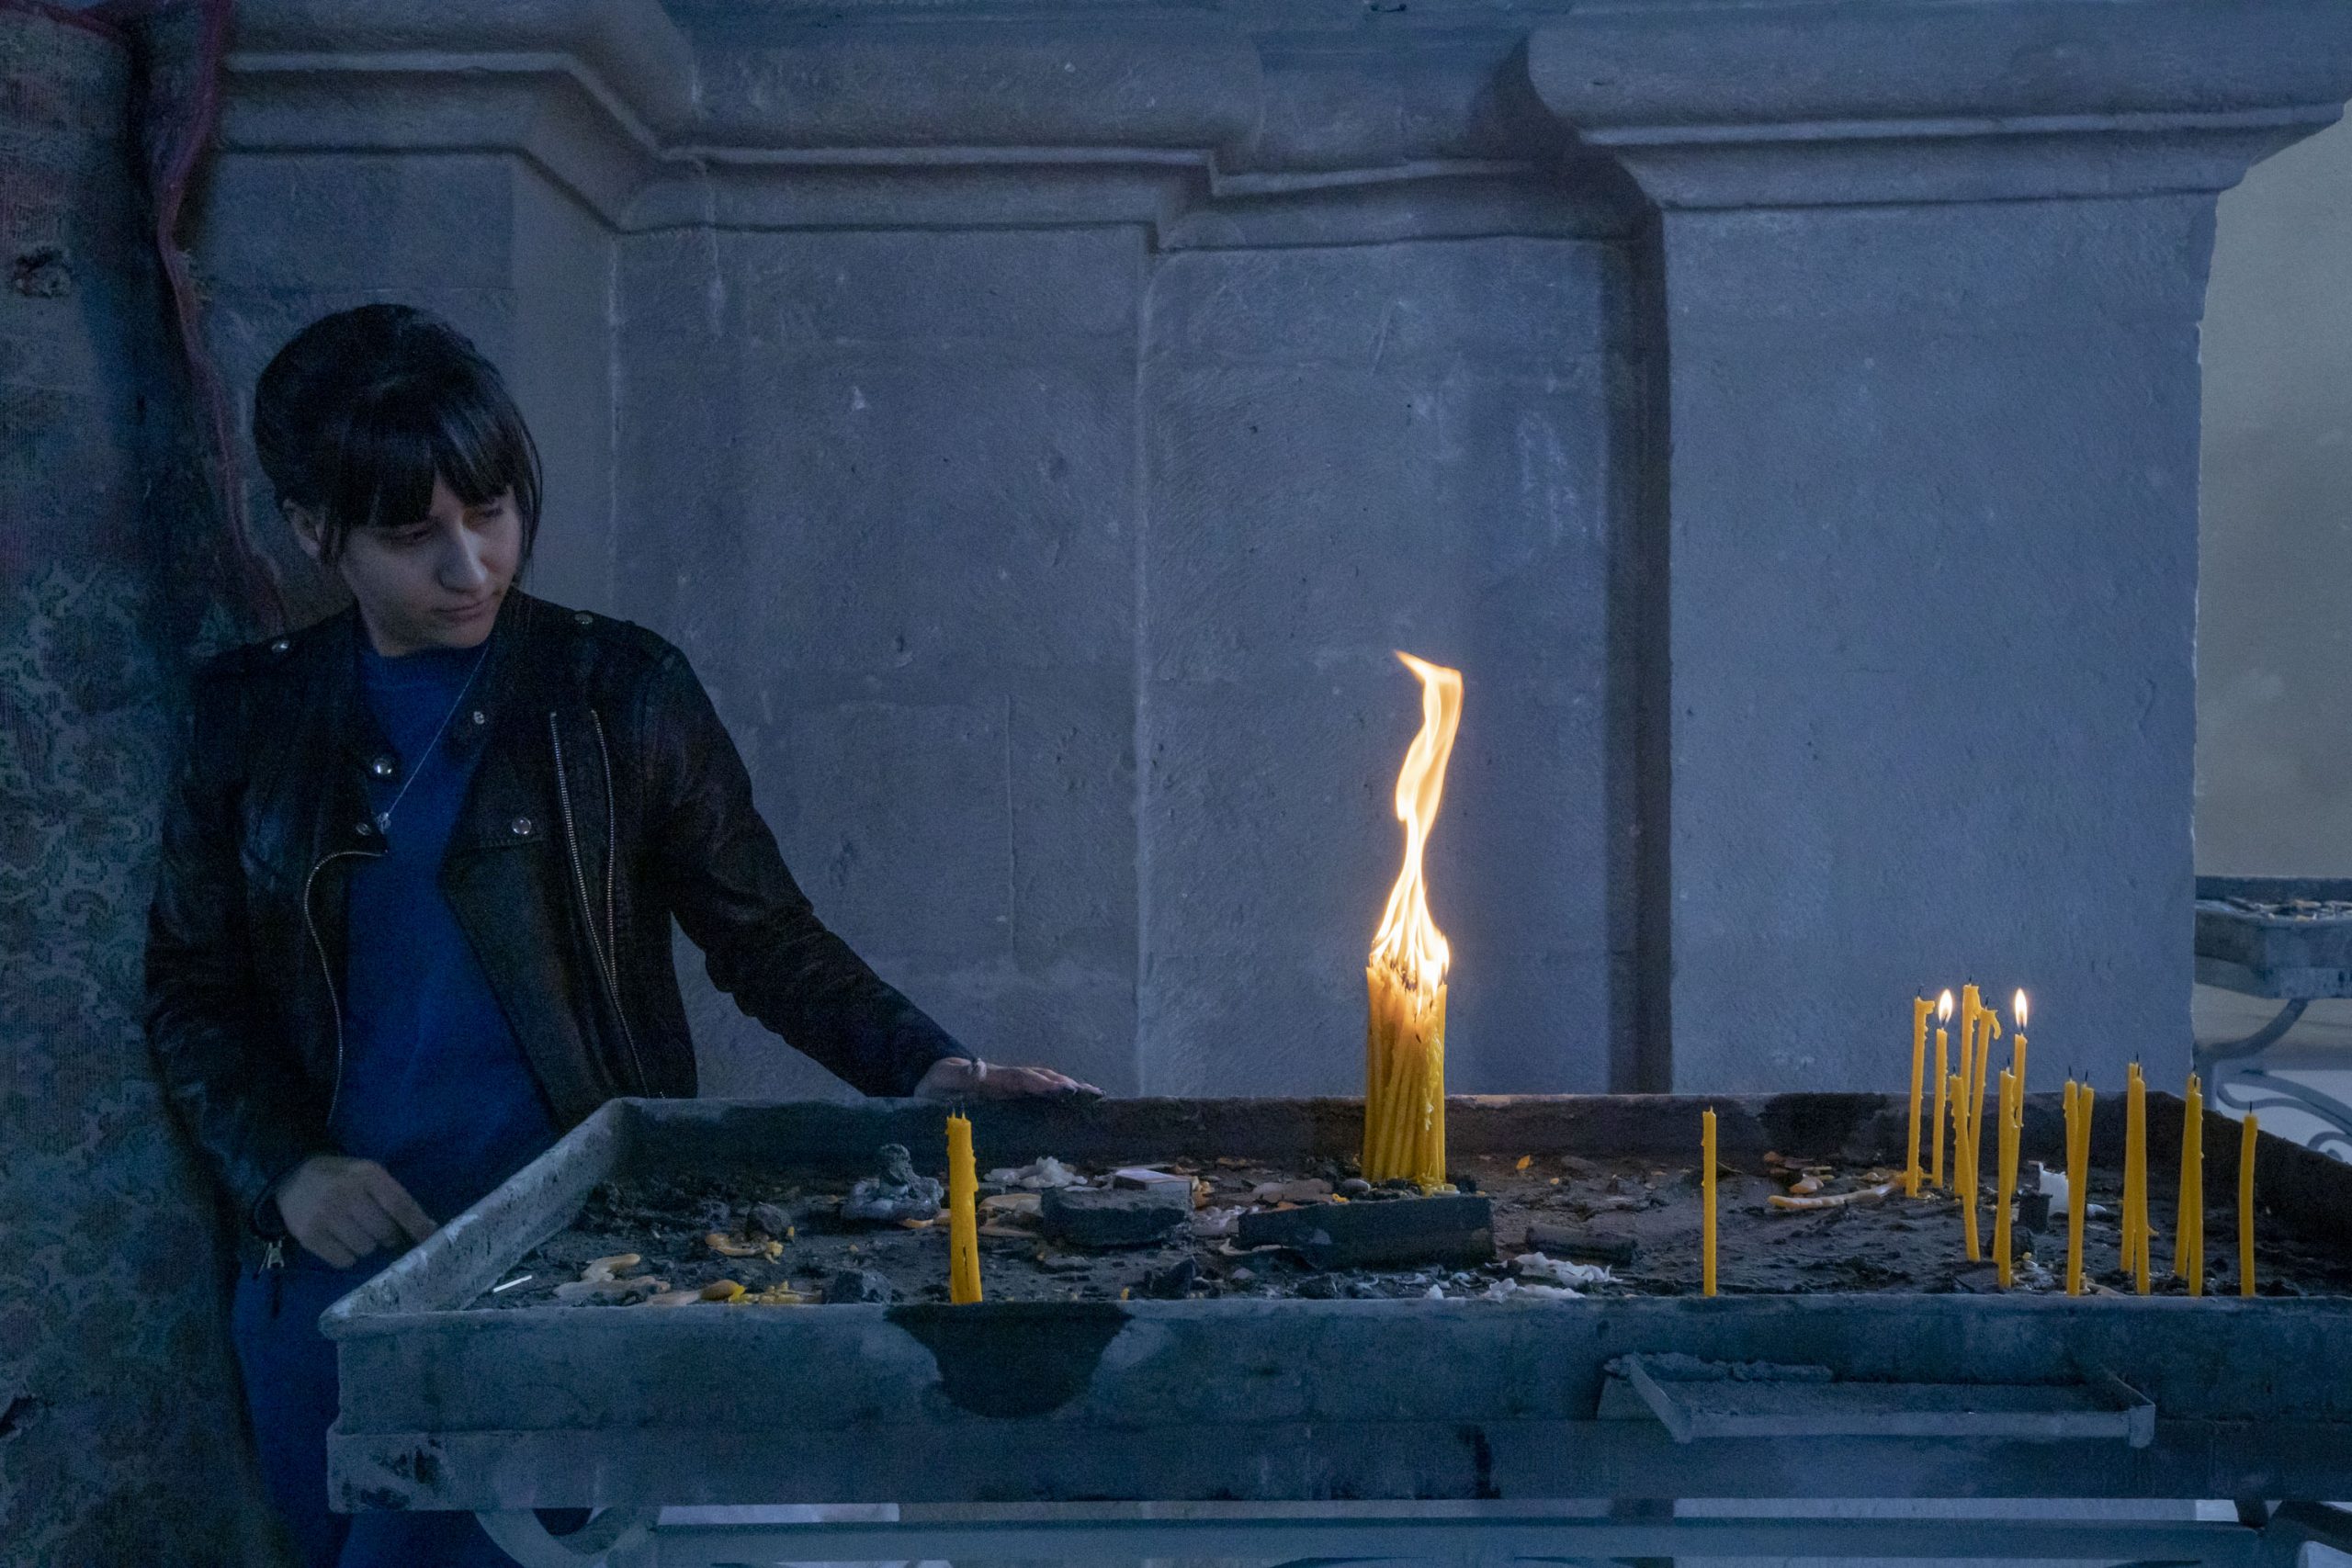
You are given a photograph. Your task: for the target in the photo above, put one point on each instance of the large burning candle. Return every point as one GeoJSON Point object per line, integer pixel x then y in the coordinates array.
{"type": "Point", "coordinates": [1404, 1111]}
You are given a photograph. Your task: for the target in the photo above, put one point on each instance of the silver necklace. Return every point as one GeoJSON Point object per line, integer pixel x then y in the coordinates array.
{"type": "Point", "coordinates": [384, 818]}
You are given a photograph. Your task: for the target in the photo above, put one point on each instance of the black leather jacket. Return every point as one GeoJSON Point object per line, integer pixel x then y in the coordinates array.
{"type": "Point", "coordinates": [607, 798]}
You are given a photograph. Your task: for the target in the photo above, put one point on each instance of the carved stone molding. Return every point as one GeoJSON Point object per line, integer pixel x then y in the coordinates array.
{"type": "Point", "coordinates": [1808, 102]}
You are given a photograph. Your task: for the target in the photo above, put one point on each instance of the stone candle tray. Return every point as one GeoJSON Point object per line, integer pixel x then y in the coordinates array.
{"type": "Point", "coordinates": [1821, 1371]}
{"type": "Point", "coordinates": [2276, 936]}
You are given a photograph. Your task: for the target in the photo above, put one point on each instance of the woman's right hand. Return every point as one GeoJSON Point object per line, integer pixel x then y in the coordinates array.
{"type": "Point", "coordinates": [343, 1209]}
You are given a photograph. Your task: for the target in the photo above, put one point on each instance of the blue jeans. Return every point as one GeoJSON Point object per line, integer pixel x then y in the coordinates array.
{"type": "Point", "coordinates": [289, 1374]}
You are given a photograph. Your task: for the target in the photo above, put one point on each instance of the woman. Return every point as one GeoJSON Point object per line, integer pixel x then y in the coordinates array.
{"type": "Point", "coordinates": [418, 875]}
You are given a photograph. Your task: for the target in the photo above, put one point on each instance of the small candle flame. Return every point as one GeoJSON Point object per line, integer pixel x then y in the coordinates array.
{"type": "Point", "coordinates": [1943, 1008]}
{"type": "Point", "coordinates": [2016, 1009]}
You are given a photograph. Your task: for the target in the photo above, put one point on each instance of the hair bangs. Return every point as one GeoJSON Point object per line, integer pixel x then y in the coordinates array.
{"type": "Point", "coordinates": [454, 422]}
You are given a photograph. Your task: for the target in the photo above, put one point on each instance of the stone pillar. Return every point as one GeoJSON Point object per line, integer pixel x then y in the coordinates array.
{"type": "Point", "coordinates": [120, 1408]}
{"type": "Point", "coordinates": [1928, 280]}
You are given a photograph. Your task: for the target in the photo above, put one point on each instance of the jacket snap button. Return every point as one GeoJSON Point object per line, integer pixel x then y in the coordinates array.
{"type": "Point", "coordinates": [481, 717]}
{"type": "Point", "coordinates": [522, 827]}
{"type": "Point", "coordinates": [363, 829]}
{"type": "Point", "coordinates": [382, 767]}
{"type": "Point", "coordinates": [280, 645]}
{"type": "Point", "coordinates": [584, 617]}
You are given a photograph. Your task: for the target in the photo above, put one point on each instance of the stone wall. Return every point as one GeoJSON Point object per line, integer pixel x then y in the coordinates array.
{"type": "Point", "coordinates": [1040, 432]}
{"type": "Point", "coordinates": [119, 1418]}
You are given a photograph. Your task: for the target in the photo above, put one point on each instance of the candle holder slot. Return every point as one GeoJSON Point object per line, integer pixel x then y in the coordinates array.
{"type": "Point", "coordinates": [1694, 1400]}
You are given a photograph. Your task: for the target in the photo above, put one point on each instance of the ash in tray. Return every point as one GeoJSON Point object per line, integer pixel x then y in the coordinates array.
{"type": "Point", "coordinates": [1533, 1228]}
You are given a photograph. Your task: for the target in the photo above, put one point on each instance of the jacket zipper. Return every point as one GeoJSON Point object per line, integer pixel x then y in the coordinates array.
{"type": "Point", "coordinates": [580, 880]}
{"type": "Point", "coordinates": [318, 945]}
{"type": "Point", "coordinates": [612, 838]}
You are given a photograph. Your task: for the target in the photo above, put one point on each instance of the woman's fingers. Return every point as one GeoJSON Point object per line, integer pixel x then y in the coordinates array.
{"type": "Point", "coordinates": [327, 1250]}
{"type": "Point", "coordinates": [348, 1233]}
{"type": "Point", "coordinates": [372, 1211]}
{"type": "Point", "coordinates": [954, 1077]}
{"type": "Point", "coordinates": [1014, 1083]}
{"type": "Point", "coordinates": [400, 1207]}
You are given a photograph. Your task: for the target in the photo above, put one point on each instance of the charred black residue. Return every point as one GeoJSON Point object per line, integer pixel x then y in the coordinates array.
{"type": "Point", "coordinates": [1015, 1360]}
{"type": "Point", "coordinates": [1482, 1463]}
{"type": "Point", "coordinates": [1825, 1126]}
{"type": "Point", "coordinates": [422, 1465]}
{"type": "Point", "coordinates": [20, 1411]}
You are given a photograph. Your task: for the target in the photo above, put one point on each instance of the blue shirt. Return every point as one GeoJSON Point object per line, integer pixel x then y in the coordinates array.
{"type": "Point", "coordinates": [435, 1087]}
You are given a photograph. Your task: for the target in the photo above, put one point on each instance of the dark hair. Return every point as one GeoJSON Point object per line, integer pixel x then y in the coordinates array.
{"type": "Point", "coordinates": [357, 413]}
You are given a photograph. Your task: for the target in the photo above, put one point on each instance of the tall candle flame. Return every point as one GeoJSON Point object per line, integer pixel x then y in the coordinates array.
{"type": "Point", "coordinates": [1943, 1008]}
{"type": "Point", "coordinates": [1409, 941]}
{"type": "Point", "coordinates": [2016, 1009]}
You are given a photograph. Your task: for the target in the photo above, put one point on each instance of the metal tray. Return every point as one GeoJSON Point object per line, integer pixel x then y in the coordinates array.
{"type": "Point", "coordinates": [1251, 1400]}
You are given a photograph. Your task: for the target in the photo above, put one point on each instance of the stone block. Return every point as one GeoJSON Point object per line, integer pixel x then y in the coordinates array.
{"type": "Point", "coordinates": [926, 516]}
{"type": "Point", "coordinates": [1985, 773]}
{"type": "Point", "coordinates": [1380, 1234]}
{"type": "Point", "coordinates": [1581, 1243]}
{"type": "Point", "coordinates": [377, 223]}
{"type": "Point", "coordinates": [1497, 304]}
{"type": "Point", "coordinates": [1023, 295]}
{"type": "Point", "coordinates": [916, 858]}
{"type": "Point", "coordinates": [1109, 1217]}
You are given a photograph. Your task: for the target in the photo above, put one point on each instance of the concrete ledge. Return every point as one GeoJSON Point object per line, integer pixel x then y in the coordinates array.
{"type": "Point", "coordinates": [630, 47]}
{"type": "Point", "coordinates": [1134, 80]}
{"type": "Point", "coordinates": [1798, 103]}
{"type": "Point", "coordinates": [1614, 66]}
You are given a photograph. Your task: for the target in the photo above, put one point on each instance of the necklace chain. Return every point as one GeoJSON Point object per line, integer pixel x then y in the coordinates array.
{"type": "Point", "coordinates": [384, 818]}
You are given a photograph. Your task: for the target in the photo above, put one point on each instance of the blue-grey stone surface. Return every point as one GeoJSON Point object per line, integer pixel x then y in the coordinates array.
{"type": "Point", "coordinates": [1355, 451]}
{"type": "Point", "coordinates": [1932, 603]}
{"type": "Point", "coordinates": [1040, 432]}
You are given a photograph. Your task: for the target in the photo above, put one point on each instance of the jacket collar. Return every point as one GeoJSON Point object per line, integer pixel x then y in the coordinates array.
{"type": "Point", "coordinates": [497, 693]}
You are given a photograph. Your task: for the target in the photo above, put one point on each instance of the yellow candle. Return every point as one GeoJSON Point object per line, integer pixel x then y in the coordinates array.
{"type": "Point", "coordinates": [2017, 1046]}
{"type": "Point", "coordinates": [2135, 1177]}
{"type": "Point", "coordinates": [1964, 1181]}
{"type": "Point", "coordinates": [2245, 1206]}
{"type": "Point", "coordinates": [2188, 1245]}
{"type": "Point", "coordinates": [1707, 1211]}
{"type": "Point", "coordinates": [2078, 1185]}
{"type": "Point", "coordinates": [1963, 1110]}
{"type": "Point", "coordinates": [1405, 1079]}
{"type": "Point", "coordinates": [1988, 1026]}
{"type": "Point", "coordinates": [1950, 1092]}
{"type": "Point", "coordinates": [2067, 1156]}
{"type": "Point", "coordinates": [963, 1227]}
{"type": "Point", "coordinates": [2005, 1178]}
{"type": "Point", "coordinates": [1920, 1008]}
{"type": "Point", "coordinates": [1943, 1013]}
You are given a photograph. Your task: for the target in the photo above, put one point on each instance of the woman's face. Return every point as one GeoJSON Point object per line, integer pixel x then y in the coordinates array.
{"type": "Point", "coordinates": [435, 580]}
